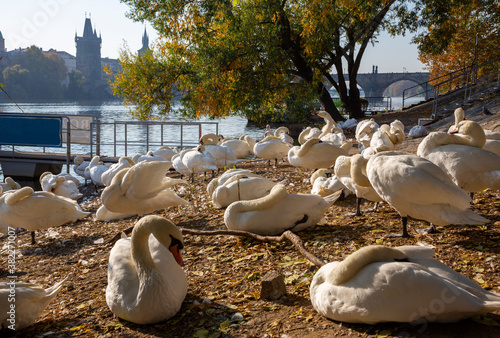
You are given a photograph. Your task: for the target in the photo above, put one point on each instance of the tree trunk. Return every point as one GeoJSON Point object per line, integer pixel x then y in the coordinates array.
{"type": "Point", "coordinates": [326, 101]}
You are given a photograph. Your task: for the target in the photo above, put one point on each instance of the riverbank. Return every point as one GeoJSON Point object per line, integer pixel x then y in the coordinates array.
{"type": "Point", "coordinates": [225, 272]}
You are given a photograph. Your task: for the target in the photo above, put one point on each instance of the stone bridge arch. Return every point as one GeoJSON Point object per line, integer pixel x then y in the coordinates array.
{"type": "Point", "coordinates": [374, 84]}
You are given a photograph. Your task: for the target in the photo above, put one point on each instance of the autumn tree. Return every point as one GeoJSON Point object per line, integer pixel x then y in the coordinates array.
{"type": "Point", "coordinates": [449, 44]}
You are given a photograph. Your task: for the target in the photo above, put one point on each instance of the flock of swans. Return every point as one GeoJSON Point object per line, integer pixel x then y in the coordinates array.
{"type": "Point", "coordinates": [146, 283]}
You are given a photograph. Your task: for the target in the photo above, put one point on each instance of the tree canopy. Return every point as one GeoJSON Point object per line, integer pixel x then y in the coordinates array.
{"type": "Point", "coordinates": [267, 60]}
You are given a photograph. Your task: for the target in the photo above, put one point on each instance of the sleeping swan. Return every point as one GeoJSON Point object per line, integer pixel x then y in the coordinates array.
{"type": "Point", "coordinates": [277, 212]}
{"type": "Point", "coordinates": [403, 284]}
{"type": "Point", "coordinates": [146, 283]}
{"type": "Point", "coordinates": [30, 301]}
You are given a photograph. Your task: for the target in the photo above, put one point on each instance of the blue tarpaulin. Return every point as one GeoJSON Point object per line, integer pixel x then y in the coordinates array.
{"type": "Point", "coordinates": [31, 131]}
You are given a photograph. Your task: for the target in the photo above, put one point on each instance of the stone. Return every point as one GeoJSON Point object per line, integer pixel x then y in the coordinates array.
{"type": "Point", "coordinates": [272, 286]}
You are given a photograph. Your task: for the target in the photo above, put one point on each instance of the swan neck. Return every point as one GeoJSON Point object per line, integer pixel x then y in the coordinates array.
{"type": "Point", "coordinates": [140, 249]}
{"type": "Point", "coordinates": [353, 264]}
{"type": "Point", "coordinates": [303, 134]}
{"type": "Point", "coordinates": [277, 194]}
{"type": "Point", "coordinates": [358, 164]}
{"type": "Point", "coordinates": [304, 149]}
{"type": "Point", "coordinates": [329, 124]}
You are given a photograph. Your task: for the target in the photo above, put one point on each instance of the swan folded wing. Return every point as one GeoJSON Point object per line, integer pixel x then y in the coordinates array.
{"type": "Point", "coordinates": [148, 179]}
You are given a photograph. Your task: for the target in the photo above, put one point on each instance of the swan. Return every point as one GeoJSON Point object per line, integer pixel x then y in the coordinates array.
{"type": "Point", "coordinates": [271, 147]}
{"type": "Point", "coordinates": [462, 157]}
{"type": "Point", "coordinates": [141, 189]}
{"type": "Point", "coordinates": [30, 300]}
{"type": "Point", "coordinates": [198, 161]}
{"type": "Point", "coordinates": [9, 184]}
{"type": "Point", "coordinates": [146, 283]}
{"type": "Point", "coordinates": [61, 184]}
{"type": "Point", "coordinates": [385, 138]}
{"type": "Point", "coordinates": [25, 208]}
{"type": "Point", "coordinates": [314, 154]}
{"type": "Point", "coordinates": [223, 156]}
{"type": "Point", "coordinates": [277, 212]}
{"type": "Point", "coordinates": [417, 131]}
{"type": "Point", "coordinates": [364, 132]}
{"type": "Point", "coordinates": [347, 169]}
{"type": "Point", "coordinates": [283, 133]}
{"type": "Point", "coordinates": [164, 151]}
{"type": "Point", "coordinates": [149, 156]}
{"type": "Point", "coordinates": [418, 188]}
{"type": "Point", "coordinates": [95, 170]}
{"type": "Point", "coordinates": [402, 284]}
{"type": "Point", "coordinates": [324, 183]}
{"type": "Point", "coordinates": [178, 165]}
{"type": "Point", "coordinates": [330, 132]}
{"type": "Point", "coordinates": [79, 167]}
{"type": "Point", "coordinates": [241, 147]}
{"type": "Point", "coordinates": [241, 187]}
{"type": "Point", "coordinates": [123, 162]}
{"type": "Point", "coordinates": [492, 142]}
{"type": "Point", "coordinates": [227, 175]}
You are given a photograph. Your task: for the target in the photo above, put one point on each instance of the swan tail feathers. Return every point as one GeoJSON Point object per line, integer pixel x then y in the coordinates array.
{"type": "Point", "coordinates": [332, 198]}
{"type": "Point", "coordinates": [473, 218]}
{"type": "Point", "coordinates": [54, 289]}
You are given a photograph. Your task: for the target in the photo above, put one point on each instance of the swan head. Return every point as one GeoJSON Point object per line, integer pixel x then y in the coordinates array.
{"type": "Point", "coordinates": [166, 232]}
{"type": "Point", "coordinates": [472, 130]}
{"type": "Point", "coordinates": [209, 139]}
{"type": "Point", "coordinates": [200, 148]}
{"type": "Point", "coordinates": [320, 173]}
{"type": "Point", "coordinates": [78, 160]}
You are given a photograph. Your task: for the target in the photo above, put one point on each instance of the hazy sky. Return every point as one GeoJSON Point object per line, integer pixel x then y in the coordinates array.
{"type": "Point", "coordinates": [53, 23]}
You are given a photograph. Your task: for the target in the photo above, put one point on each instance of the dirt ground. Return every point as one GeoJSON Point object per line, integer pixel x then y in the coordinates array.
{"type": "Point", "coordinates": [225, 272]}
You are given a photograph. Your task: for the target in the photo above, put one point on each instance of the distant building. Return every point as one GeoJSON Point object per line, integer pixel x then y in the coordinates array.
{"type": "Point", "coordinates": [88, 53]}
{"type": "Point", "coordinates": [145, 43]}
{"type": "Point", "coordinates": [2, 43]}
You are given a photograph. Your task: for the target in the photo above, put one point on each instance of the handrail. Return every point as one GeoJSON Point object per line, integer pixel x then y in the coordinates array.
{"type": "Point", "coordinates": [463, 71]}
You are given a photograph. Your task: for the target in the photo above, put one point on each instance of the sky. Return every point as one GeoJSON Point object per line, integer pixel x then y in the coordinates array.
{"type": "Point", "coordinates": [52, 24]}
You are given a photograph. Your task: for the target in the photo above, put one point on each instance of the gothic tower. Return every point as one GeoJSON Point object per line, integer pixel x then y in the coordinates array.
{"type": "Point", "coordinates": [88, 53]}
{"type": "Point", "coordinates": [145, 43]}
{"type": "Point", "coordinates": [2, 43]}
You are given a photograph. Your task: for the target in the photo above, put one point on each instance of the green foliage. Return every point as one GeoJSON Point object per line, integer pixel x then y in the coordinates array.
{"type": "Point", "coordinates": [38, 75]}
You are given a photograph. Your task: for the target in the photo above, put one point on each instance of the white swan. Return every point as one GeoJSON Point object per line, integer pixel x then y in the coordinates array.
{"type": "Point", "coordinates": [315, 154]}
{"type": "Point", "coordinates": [325, 183]}
{"type": "Point", "coordinates": [492, 142]}
{"type": "Point", "coordinates": [227, 175]}
{"type": "Point", "coordinates": [198, 161]}
{"type": "Point", "coordinates": [385, 138]}
{"type": "Point", "coordinates": [416, 187]}
{"type": "Point", "coordinates": [79, 167]}
{"type": "Point", "coordinates": [25, 208]}
{"type": "Point", "coordinates": [462, 157]}
{"type": "Point", "coordinates": [330, 132]}
{"type": "Point", "coordinates": [277, 212]}
{"type": "Point", "coordinates": [223, 156]}
{"type": "Point", "coordinates": [94, 170]}
{"type": "Point", "coordinates": [178, 165]}
{"type": "Point", "coordinates": [241, 147]}
{"type": "Point", "coordinates": [29, 301]}
{"type": "Point", "coordinates": [349, 170]}
{"type": "Point", "coordinates": [403, 284]}
{"type": "Point", "coordinates": [239, 188]}
{"type": "Point", "coordinates": [9, 184]}
{"type": "Point", "coordinates": [142, 189]}
{"type": "Point", "coordinates": [149, 156]}
{"type": "Point", "coordinates": [61, 184]}
{"type": "Point", "coordinates": [123, 162]}
{"type": "Point", "coordinates": [165, 151]}
{"type": "Point", "coordinates": [146, 283]}
{"type": "Point", "coordinates": [283, 133]}
{"type": "Point", "coordinates": [364, 132]}
{"type": "Point", "coordinates": [417, 131]}
{"type": "Point", "coordinates": [271, 147]}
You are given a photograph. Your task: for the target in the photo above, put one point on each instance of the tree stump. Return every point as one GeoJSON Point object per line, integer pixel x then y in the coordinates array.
{"type": "Point", "coordinates": [272, 286]}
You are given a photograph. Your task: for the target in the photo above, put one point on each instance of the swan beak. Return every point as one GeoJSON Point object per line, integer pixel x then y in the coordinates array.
{"type": "Point", "coordinates": [177, 255]}
{"type": "Point", "coordinates": [454, 130]}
